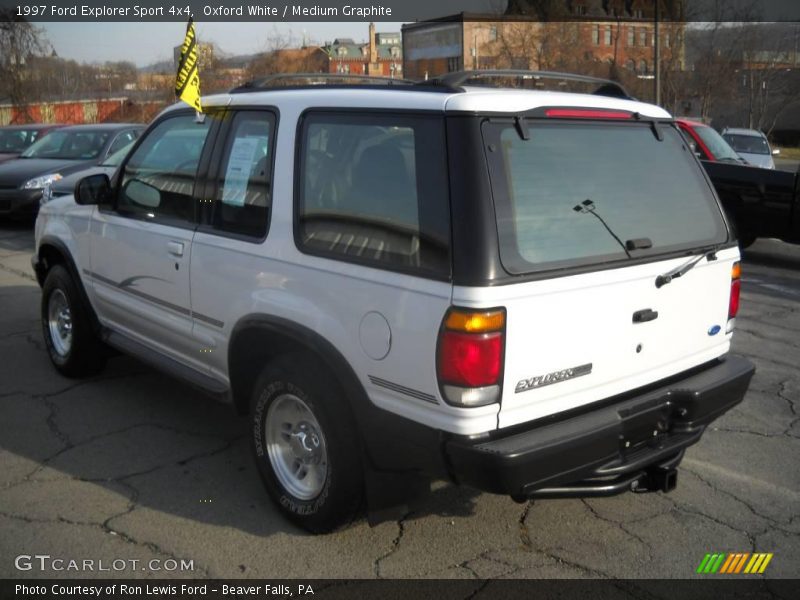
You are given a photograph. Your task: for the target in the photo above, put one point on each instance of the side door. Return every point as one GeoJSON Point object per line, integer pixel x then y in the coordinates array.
{"type": "Point", "coordinates": [228, 264]}
{"type": "Point", "coordinates": [141, 245]}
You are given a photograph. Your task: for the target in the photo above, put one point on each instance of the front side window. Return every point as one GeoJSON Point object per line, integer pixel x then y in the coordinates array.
{"type": "Point", "coordinates": [243, 191]}
{"type": "Point", "coordinates": [564, 199]}
{"type": "Point", "coordinates": [158, 179]}
{"type": "Point", "coordinates": [373, 190]}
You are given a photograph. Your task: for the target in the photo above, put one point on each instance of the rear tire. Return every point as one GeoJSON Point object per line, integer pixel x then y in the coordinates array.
{"type": "Point", "coordinates": [305, 444]}
{"type": "Point", "coordinates": [69, 336]}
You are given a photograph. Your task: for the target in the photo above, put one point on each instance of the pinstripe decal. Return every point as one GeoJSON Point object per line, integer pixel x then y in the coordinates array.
{"type": "Point", "coordinates": [127, 286]}
{"type": "Point", "coordinates": [401, 389]}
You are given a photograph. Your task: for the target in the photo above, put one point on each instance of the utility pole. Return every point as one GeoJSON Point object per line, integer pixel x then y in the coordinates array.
{"type": "Point", "coordinates": [656, 59]}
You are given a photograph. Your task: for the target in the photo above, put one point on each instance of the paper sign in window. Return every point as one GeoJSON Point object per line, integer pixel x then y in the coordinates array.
{"type": "Point", "coordinates": [237, 176]}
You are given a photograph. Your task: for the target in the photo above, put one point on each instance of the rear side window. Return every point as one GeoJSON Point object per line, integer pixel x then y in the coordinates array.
{"type": "Point", "coordinates": [373, 189]}
{"type": "Point", "coordinates": [584, 193]}
{"type": "Point", "coordinates": [243, 191]}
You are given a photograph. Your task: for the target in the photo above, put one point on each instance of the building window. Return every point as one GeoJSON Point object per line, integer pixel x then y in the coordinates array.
{"type": "Point", "coordinates": [607, 35]}
{"type": "Point", "coordinates": [493, 33]}
{"type": "Point", "coordinates": [631, 36]}
{"type": "Point", "coordinates": [643, 37]}
{"type": "Point", "coordinates": [643, 67]}
{"type": "Point", "coordinates": [452, 64]}
{"type": "Point", "coordinates": [667, 40]}
{"type": "Point", "coordinates": [630, 64]}
{"type": "Point", "coordinates": [596, 35]}
{"type": "Point", "coordinates": [580, 9]}
{"type": "Point", "coordinates": [638, 13]}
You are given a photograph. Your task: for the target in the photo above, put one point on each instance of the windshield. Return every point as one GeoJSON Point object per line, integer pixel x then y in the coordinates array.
{"type": "Point", "coordinates": [16, 140]}
{"type": "Point", "coordinates": [578, 193]}
{"type": "Point", "coordinates": [115, 159]}
{"type": "Point", "coordinates": [69, 145]}
{"type": "Point", "coordinates": [715, 143]}
{"type": "Point", "coordinates": [749, 144]}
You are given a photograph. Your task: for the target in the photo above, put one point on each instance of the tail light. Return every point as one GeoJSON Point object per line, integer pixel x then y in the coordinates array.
{"type": "Point", "coordinates": [469, 361]}
{"type": "Point", "coordinates": [733, 303]}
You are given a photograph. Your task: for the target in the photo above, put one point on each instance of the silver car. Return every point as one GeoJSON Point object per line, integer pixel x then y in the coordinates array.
{"type": "Point", "coordinates": [751, 145]}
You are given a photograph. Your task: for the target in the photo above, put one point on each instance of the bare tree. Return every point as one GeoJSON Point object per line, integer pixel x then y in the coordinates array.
{"type": "Point", "coordinates": [20, 42]}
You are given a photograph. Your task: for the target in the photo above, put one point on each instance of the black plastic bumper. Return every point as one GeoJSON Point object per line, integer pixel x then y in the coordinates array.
{"type": "Point", "coordinates": [20, 204]}
{"type": "Point", "coordinates": [633, 444]}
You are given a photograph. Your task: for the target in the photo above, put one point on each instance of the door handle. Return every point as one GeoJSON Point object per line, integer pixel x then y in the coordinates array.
{"type": "Point", "coordinates": [642, 316]}
{"type": "Point", "coordinates": [175, 248]}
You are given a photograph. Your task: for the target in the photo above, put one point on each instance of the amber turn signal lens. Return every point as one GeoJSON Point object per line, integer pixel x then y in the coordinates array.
{"type": "Point", "coordinates": [736, 272]}
{"type": "Point", "coordinates": [475, 322]}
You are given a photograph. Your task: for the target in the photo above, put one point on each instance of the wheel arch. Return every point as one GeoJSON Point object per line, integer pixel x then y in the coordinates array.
{"type": "Point", "coordinates": [257, 339]}
{"type": "Point", "coordinates": [51, 252]}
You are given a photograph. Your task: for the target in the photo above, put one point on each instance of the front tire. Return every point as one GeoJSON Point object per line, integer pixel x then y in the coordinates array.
{"type": "Point", "coordinates": [305, 444]}
{"type": "Point", "coordinates": [69, 336]}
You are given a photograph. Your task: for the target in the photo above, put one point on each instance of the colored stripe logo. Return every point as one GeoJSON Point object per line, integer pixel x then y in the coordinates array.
{"type": "Point", "coordinates": [734, 563]}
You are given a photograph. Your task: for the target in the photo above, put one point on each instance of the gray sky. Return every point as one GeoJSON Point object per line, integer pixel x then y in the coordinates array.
{"type": "Point", "coordinates": [146, 43]}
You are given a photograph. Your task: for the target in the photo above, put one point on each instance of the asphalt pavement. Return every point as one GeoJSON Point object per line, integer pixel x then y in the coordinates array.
{"type": "Point", "coordinates": [134, 467]}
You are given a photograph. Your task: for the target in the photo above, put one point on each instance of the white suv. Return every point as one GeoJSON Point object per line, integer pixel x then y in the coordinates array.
{"type": "Point", "coordinates": [529, 292]}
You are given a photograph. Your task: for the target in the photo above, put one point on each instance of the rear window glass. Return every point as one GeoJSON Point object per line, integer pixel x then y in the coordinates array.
{"type": "Point", "coordinates": [716, 144]}
{"type": "Point", "coordinates": [69, 145]}
{"type": "Point", "coordinates": [583, 193]}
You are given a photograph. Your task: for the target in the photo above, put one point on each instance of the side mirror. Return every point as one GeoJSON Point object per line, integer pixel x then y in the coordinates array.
{"type": "Point", "coordinates": [139, 193]}
{"type": "Point", "coordinates": [776, 152]}
{"type": "Point", "coordinates": [94, 189]}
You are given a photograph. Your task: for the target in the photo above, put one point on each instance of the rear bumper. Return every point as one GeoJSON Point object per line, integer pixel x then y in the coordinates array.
{"type": "Point", "coordinates": [631, 444]}
{"type": "Point", "coordinates": [19, 203]}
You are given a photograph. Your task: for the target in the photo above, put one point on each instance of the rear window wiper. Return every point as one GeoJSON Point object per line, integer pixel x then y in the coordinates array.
{"type": "Point", "coordinates": [589, 207]}
{"type": "Point", "coordinates": [662, 280]}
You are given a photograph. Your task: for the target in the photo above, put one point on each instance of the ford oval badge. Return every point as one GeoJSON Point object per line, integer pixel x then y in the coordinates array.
{"type": "Point", "coordinates": [714, 330]}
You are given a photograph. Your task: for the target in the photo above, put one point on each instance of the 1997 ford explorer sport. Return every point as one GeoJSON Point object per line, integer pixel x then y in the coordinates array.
{"type": "Point", "coordinates": [529, 292]}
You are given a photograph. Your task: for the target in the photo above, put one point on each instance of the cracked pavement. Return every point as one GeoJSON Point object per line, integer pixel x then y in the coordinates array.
{"type": "Point", "coordinates": [134, 465]}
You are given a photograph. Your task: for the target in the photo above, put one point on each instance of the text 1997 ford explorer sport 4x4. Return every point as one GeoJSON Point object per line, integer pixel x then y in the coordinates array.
{"type": "Point", "coordinates": [529, 292]}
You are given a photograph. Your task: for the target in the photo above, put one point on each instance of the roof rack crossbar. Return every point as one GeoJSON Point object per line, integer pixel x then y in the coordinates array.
{"type": "Point", "coordinates": [272, 81]}
{"type": "Point", "coordinates": [606, 87]}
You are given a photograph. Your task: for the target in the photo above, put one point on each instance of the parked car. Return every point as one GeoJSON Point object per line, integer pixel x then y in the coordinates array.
{"type": "Point", "coordinates": [529, 292]}
{"type": "Point", "coordinates": [14, 139]}
{"type": "Point", "coordinates": [707, 143]}
{"type": "Point", "coordinates": [58, 154]}
{"type": "Point", "coordinates": [66, 186]}
{"type": "Point", "coordinates": [761, 202]}
{"type": "Point", "coordinates": [752, 145]}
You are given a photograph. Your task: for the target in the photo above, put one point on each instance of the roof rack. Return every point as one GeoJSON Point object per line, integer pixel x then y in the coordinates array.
{"type": "Point", "coordinates": [283, 80]}
{"type": "Point", "coordinates": [606, 87]}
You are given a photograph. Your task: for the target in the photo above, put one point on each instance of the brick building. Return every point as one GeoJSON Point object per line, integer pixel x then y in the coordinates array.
{"type": "Point", "coordinates": [381, 55]}
{"type": "Point", "coordinates": [595, 36]}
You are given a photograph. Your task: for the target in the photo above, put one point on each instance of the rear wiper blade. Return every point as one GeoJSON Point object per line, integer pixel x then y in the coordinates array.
{"type": "Point", "coordinates": [667, 277]}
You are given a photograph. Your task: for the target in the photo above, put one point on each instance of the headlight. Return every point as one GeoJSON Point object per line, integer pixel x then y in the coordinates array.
{"type": "Point", "coordinates": [40, 182]}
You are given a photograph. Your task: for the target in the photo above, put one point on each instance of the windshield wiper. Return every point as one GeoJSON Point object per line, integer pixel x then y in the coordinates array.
{"type": "Point", "coordinates": [588, 207]}
{"type": "Point", "coordinates": [667, 277]}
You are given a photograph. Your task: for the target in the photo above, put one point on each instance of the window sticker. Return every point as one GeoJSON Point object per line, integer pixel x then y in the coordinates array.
{"type": "Point", "coordinates": [237, 176]}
